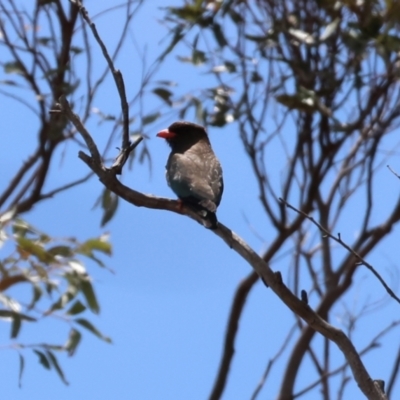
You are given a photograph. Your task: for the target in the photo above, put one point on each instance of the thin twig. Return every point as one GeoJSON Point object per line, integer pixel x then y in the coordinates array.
{"type": "Point", "coordinates": [274, 280]}
{"type": "Point", "coordinates": [372, 345]}
{"type": "Point", "coordinates": [394, 173]}
{"type": "Point", "coordinates": [230, 335]}
{"type": "Point", "coordinates": [271, 362]}
{"type": "Point", "coordinates": [65, 108]}
{"type": "Point", "coordinates": [66, 186]}
{"type": "Point", "coordinates": [260, 266]}
{"type": "Point", "coordinates": [119, 80]}
{"type": "Point", "coordinates": [346, 246]}
{"type": "Point", "coordinates": [122, 157]}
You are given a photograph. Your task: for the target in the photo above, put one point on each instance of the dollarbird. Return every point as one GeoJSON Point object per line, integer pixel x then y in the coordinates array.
{"type": "Point", "coordinates": [193, 171]}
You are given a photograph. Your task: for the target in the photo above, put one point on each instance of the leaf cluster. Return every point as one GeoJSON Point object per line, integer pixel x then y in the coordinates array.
{"type": "Point", "coordinates": [54, 272]}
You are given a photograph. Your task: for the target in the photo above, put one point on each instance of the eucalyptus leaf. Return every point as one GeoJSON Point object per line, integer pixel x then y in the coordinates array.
{"type": "Point", "coordinates": [43, 359]}
{"type": "Point", "coordinates": [90, 296]}
{"type": "Point", "coordinates": [21, 369]}
{"type": "Point", "coordinates": [73, 341]}
{"type": "Point", "coordinates": [164, 94]}
{"type": "Point", "coordinates": [91, 328]}
{"type": "Point", "coordinates": [54, 362]}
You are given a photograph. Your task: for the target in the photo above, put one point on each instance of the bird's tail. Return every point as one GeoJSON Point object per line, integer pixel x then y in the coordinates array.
{"type": "Point", "coordinates": [210, 218]}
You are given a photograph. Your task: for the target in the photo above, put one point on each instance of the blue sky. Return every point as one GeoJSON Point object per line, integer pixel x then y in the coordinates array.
{"type": "Point", "coordinates": [166, 306]}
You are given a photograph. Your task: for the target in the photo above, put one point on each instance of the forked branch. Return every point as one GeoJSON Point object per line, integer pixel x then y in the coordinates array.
{"type": "Point", "coordinates": [274, 280]}
{"type": "Point", "coordinates": [108, 176]}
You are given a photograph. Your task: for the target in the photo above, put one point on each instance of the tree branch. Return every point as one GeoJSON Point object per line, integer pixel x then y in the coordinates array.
{"type": "Point", "coordinates": [118, 78]}
{"type": "Point", "coordinates": [347, 247]}
{"type": "Point", "coordinates": [273, 279]}
{"type": "Point", "coordinates": [230, 335]}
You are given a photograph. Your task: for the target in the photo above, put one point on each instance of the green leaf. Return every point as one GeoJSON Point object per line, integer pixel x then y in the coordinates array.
{"type": "Point", "coordinates": [226, 6]}
{"type": "Point", "coordinates": [65, 298]}
{"type": "Point", "coordinates": [54, 362]}
{"type": "Point", "coordinates": [109, 204]}
{"type": "Point", "coordinates": [371, 25]}
{"type": "Point", "coordinates": [199, 109]}
{"type": "Point", "coordinates": [198, 57]}
{"type": "Point", "coordinates": [392, 14]}
{"type": "Point", "coordinates": [22, 228]}
{"type": "Point", "coordinates": [90, 327]}
{"type": "Point", "coordinates": [87, 247]}
{"type": "Point", "coordinates": [15, 326]}
{"type": "Point", "coordinates": [390, 43]}
{"type": "Point", "coordinates": [27, 247]}
{"type": "Point", "coordinates": [182, 112]}
{"type": "Point", "coordinates": [49, 287]}
{"type": "Point", "coordinates": [164, 94]}
{"type": "Point", "coordinates": [64, 251]}
{"type": "Point", "coordinates": [9, 82]}
{"type": "Point", "coordinates": [355, 42]}
{"type": "Point", "coordinates": [97, 261]}
{"type": "Point", "coordinates": [227, 66]}
{"type": "Point", "coordinates": [218, 119]}
{"type": "Point", "coordinates": [106, 198]}
{"type": "Point", "coordinates": [230, 66]}
{"type": "Point", "coordinates": [56, 347]}
{"type": "Point", "coordinates": [68, 88]}
{"type": "Point", "coordinates": [42, 359]}
{"type": "Point", "coordinates": [177, 36]}
{"type": "Point", "coordinates": [13, 67]}
{"type": "Point", "coordinates": [148, 119]}
{"type": "Point", "coordinates": [76, 308]}
{"type": "Point", "coordinates": [14, 314]}
{"type": "Point", "coordinates": [189, 12]}
{"type": "Point", "coordinates": [73, 341]}
{"type": "Point", "coordinates": [330, 29]}
{"type": "Point", "coordinates": [166, 83]}
{"type": "Point", "coordinates": [7, 217]}
{"type": "Point", "coordinates": [302, 36]}
{"type": "Point", "coordinates": [45, 41]}
{"type": "Point", "coordinates": [255, 77]}
{"type": "Point", "coordinates": [257, 38]}
{"type": "Point", "coordinates": [75, 49]}
{"type": "Point", "coordinates": [21, 369]}
{"type": "Point", "coordinates": [37, 294]}
{"type": "Point", "coordinates": [90, 296]}
{"type": "Point", "coordinates": [195, 41]}
{"type": "Point", "coordinates": [297, 101]}
{"type": "Point", "coordinates": [235, 16]}
{"type": "Point", "coordinates": [219, 36]}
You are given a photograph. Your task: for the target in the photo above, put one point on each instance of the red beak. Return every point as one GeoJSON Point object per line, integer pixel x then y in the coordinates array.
{"type": "Point", "coordinates": [166, 134]}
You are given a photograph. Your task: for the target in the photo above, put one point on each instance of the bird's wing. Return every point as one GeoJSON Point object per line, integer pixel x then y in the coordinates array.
{"type": "Point", "coordinates": [199, 177]}
{"type": "Point", "coordinates": [216, 180]}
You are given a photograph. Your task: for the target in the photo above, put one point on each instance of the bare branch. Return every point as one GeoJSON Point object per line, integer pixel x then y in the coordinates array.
{"type": "Point", "coordinates": [66, 187]}
{"type": "Point", "coordinates": [230, 335]}
{"type": "Point", "coordinates": [271, 362]}
{"type": "Point", "coordinates": [274, 280]}
{"type": "Point", "coordinates": [118, 78]}
{"type": "Point", "coordinates": [393, 172]}
{"type": "Point", "coordinates": [64, 106]}
{"type": "Point", "coordinates": [347, 247]}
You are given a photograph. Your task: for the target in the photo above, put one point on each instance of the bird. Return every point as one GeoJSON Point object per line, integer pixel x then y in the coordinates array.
{"type": "Point", "coordinates": [193, 171]}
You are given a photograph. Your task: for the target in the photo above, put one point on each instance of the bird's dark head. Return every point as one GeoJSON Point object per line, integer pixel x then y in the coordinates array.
{"type": "Point", "coordinates": [183, 133]}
